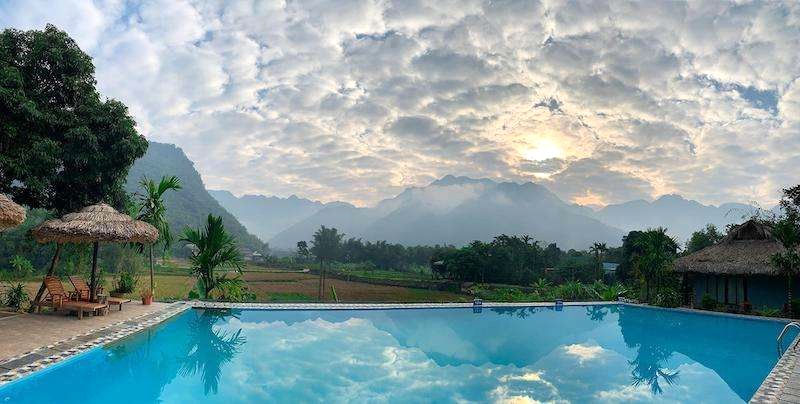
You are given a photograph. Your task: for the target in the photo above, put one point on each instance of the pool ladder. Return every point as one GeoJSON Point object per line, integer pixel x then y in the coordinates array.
{"type": "Point", "coordinates": [794, 324]}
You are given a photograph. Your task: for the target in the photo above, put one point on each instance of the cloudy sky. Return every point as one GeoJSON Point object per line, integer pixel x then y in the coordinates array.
{"type": "Point", "coordinates": [355, 100]}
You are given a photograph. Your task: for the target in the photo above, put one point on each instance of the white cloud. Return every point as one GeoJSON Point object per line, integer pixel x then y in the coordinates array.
{"type": "Point", "coordinates": [355, 101]}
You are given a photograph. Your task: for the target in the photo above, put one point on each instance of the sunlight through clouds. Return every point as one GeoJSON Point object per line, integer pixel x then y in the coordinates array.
{"type": "Point", "coordinates": [601, 102]}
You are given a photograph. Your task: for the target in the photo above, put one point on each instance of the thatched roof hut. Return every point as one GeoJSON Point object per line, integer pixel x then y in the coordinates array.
{"type": "Point", "coordinates": [746, 250]}
{"type": "Point", "coordinates": [95, 223]}
{"type": "Point", "coordinates": [11, 214]}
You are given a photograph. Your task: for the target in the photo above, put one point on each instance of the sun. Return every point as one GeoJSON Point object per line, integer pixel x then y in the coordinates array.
{"type": "Point", "coordinates": [542, 150]}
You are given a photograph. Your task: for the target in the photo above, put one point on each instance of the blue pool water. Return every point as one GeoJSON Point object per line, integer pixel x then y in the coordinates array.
{"type": "Point", "coordinates": [579, 354]}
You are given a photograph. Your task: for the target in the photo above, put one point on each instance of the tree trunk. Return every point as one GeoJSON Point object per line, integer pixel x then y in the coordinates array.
{"type": "Point", "coordinates": [50, 272]}
{"type": "Point", "coordinates": [789, 295]}
{"type": "Point", "coordinates": [93, 282]}
{"type": "Point", "coordinates": [152, 278]}
{"type": "Point", "coordinates": [319, 286]}
{"type": "Point", "coordinates": [323, 283]}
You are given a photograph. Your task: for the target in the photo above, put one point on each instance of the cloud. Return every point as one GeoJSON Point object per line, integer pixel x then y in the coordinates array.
{"type": "Point", "coordinates": [356, 101]}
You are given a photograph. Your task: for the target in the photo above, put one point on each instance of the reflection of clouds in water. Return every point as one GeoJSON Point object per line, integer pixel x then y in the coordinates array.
{"type": "Point", "coordinates": [704, 385]}
{"type": "Point", "coordinates": [584, 352]}
{"type": "Point", "coordinates": [354, 361]}
{"type": "Point", "coordinates": [626, 393]}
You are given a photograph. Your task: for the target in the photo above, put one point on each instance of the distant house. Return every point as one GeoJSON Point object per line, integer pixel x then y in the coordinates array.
{"type": "Point", "coordinates": [737, 269]}
{"type": "Point", "coordinates": [610, 268]}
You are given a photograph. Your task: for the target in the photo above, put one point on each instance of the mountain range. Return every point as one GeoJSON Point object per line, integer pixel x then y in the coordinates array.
{"type": "Point", "coordinates": [458, 210]}
{"type": "Point", "coordinates": [451, 210]}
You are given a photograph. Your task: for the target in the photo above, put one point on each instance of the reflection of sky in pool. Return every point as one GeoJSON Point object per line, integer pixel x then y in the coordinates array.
{"type": "Point", "coordinates": [580, 354]}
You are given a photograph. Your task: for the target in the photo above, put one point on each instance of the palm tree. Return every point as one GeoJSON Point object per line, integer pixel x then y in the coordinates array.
{"type": "Point", "coordinates": [598, 250]}
{"type": "Point", "coordinates": [326, 246]}
{"type": "Point", "coordinates": [787, 232]}
{"type": "Point", "coordinates": [212, 248]}
{"type": "Point", "coordinates": [657, 250]}
{"type": "Point", "coordinates": [153, 210]}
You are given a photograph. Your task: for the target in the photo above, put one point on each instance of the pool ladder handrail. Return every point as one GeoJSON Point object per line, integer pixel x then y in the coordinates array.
{"type": "Point", "coordinates": [783, 332]}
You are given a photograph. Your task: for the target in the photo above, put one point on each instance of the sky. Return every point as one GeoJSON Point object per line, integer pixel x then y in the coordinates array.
{"type": "Point", "coordinates": [352, 100]}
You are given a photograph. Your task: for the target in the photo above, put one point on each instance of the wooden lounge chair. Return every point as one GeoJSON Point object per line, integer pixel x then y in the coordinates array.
{"type": "Point", "coordinates": [58, 298]}
{"type": "Point", "coordinates": [82, 288]}
{"type": "Point", "coordinates": [56, 295]}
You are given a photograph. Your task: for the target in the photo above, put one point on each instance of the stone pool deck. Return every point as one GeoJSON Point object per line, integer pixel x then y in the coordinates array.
{"type": "Point", "coordinates": [34, 341]}
{"type": "Point", "coordinates": [23, 332]}
{"type": "Point", "coordinates": [782, 385]}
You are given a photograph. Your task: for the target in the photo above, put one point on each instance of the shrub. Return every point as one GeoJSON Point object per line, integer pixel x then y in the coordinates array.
{"type": "Point", "coordinates": [21, 267]}
{"type": "Point", "coordinates": [233, 290]}
{"type": "Point", "coordinates": [667, 298]}
{"type": "Point", "coordinates": [708, 302]}
{"type": "Point", "coordinates": [572, 290]}
{"type": "Point", "coordinates": [608, 293]}
{"type": "Point", "coordinates": [767, 312]}
{"type": "Point", "coordinates": [16, 296]}
{"type": "Point", "coordinates": [193, 294]}
{"type": "Point", "coordinates": [126, 282]}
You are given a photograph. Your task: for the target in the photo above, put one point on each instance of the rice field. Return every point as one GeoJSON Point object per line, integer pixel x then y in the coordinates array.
{"type": "Point", "coordinates": [285, 286]}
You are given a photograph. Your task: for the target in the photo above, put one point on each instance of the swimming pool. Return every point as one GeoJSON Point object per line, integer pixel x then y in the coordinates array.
{"type": "Point", "coordinates": [596, 353]}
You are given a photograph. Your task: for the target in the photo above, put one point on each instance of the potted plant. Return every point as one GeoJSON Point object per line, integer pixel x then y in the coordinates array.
{"type": "Point", "coordinates": [147, 297]}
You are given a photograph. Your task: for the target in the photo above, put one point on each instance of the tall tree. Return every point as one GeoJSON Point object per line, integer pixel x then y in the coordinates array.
{"type": "Point", "coordinates": [153, 210]}
{"type": "Point", "coordinates": [61, 146]}
{"type": "Point", "coordinates": [302, 250]}
{"type": "Point", "coordinates": [787, 231]}
{"type": "Point", "coordinates": [212, 248]}
{"type": "Point", "coordinates": [326, 246]}
{"type": "Point", "coordinates": [703, 238]}
{"type": "Point", "coordinates": [598, 250]}
{"type": "Point", "coordinates": [656, 251]}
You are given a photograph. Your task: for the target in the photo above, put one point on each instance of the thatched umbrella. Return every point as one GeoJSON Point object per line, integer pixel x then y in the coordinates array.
{"type": "Point", "coordinates": [11, 214]}
{"type": "Point", "coordinates": [93, 224]}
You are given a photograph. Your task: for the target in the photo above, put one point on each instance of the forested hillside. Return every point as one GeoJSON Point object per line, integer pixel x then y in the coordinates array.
{"type": "Point", "coordinates": [190, 205]}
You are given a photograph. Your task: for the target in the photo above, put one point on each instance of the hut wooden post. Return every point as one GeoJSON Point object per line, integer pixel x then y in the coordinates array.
{"type": "Point", "coordinates": [50, 272]}
{"type": "Point", "coordinates": [93, 283]}
{"type": "Point", "coordinates": [152, 277]}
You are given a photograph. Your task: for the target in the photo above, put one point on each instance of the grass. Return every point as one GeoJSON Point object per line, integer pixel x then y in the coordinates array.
{"type": "Point", "coordinates": [388, 275]}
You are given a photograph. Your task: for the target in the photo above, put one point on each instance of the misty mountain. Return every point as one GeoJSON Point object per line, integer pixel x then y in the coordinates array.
{"type": "Point", "coordinates": [191, 205]}
{"type": "Point", "coordinates": [680, 216]}
{"type": "Point", "coordinates": [458, 210]}
{"type": "Point", "coordinates": [267, 216]}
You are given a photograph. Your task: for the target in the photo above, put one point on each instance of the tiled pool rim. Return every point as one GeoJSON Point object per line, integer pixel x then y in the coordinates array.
{"type": "Point", "coordinates": [781, 385]}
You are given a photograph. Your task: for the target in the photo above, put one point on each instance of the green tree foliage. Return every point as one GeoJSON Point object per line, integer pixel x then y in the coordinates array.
{"type": "Point", "coordinates": [302, 250]}
{"type": "Point", "coordinates": [787, 231]}
{"type": "Point", "coordinates": [326, 245]}
{"type": "Point", "coordinates": [655, 252]}
{"type": "Point", "coordinates": [212, 248]}
{"type": "Point", "coordinates": [629, 250]}
{"type": "Point", "coordinates": [703, 238]}
{"type": "Point", "coordinates": [516, 260]}
{"type": "Point", "coordinates": [598, 250]}
{"type": "Point", "coordinates": [61, 146]}
{"type": "Point", "coordinates": [19, 242]}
